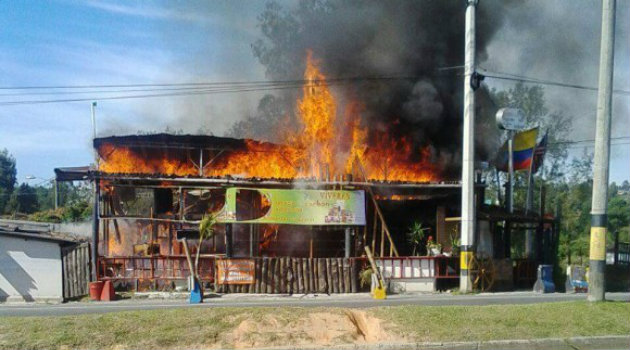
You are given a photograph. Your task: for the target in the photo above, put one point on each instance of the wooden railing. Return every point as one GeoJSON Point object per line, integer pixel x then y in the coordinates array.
{"type": "Point", "coordinates": [281, 274]}
{"type": "Point", "coordinates": [173, 267]}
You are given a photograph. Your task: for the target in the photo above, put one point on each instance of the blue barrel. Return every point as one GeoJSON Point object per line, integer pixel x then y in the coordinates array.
{"type": "Point", "coordinates": [544, 282]}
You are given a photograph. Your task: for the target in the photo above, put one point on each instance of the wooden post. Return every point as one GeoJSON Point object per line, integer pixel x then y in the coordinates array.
{"type": "Point", "coordinates": [277, 281]}
{"type": "Point", "coordinates": [228, 241]}
{"type": "Point", "coordinates": [263, 275]}
{"type": "Point", "coordinates": [374, 232]}
{"type": "Point", "coordinates": [310, 255]}
{"type": "Point", "coordinates": [347, 240]}
{"type": "Point", "coordinates": [353, 276]}
{"type": "Point", "coordinates": [329, 281]}
{"type": "Point", "coordinates": [95, 228]}
{"type": "Point", "coordinates": [346, 276]}
{"type": "Point", "coordinates": [382, 241]}
{"type": "Point", "coordinates": [341, 276]}
{"type": "Point", "coordinates": [378, 210]}
{"type": "Point", "coordinates": [334, 275]}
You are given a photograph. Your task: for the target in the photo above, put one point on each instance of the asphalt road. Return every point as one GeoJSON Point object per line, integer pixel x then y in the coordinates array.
{"type": "Point", "coordinates": [344, 300]}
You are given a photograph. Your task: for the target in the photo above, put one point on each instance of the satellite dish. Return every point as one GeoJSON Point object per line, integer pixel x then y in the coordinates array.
{"type": "Point", "coordinates": [510, 119]}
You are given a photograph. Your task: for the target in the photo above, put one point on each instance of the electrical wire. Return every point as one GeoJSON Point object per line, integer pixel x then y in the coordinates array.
{"type": "Point", "coordinates": [525, 79]}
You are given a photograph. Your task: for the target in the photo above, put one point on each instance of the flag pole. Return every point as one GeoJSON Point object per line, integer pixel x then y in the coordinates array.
{"type": "Point", "coordinates": [529, 203]}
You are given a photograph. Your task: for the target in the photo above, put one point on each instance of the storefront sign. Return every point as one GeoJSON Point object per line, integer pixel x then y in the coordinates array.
{"type": "Point", "coordinates": [294, 207]}
{"type": "Point", "coordinates": [235, 271]}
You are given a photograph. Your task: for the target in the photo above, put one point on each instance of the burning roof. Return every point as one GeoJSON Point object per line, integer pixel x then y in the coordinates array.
{"type": "Point", "coordinates": [329, 145]}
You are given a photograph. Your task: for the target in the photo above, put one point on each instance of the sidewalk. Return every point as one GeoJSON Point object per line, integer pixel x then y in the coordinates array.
{"type": "Point", "coordinates": [574, 343]}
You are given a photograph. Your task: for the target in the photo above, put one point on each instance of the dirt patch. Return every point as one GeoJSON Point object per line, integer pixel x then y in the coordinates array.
{"type": "Point", "coordinates": [349, 326]}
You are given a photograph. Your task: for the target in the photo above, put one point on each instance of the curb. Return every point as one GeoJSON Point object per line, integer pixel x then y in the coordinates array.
{"type": "Point", "coordinates": [571, 343]}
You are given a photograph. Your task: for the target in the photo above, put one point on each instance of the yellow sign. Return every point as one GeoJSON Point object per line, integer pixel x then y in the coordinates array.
{"type": "Point", "coordinates": [465, 260]}
{"type": "Point", "coordinates": [235, 271]}
{"type": "Point", "coordinates": [598, 243]}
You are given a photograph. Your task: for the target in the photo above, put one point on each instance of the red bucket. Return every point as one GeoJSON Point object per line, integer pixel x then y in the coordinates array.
{"type": "Point", "coordinates": [96, 288]}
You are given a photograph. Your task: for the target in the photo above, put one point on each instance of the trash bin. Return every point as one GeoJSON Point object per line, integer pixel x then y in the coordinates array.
{"type": "Point", "coordinates": [544, 282]}
{"type": "Point", "coordinates": [96, 288]}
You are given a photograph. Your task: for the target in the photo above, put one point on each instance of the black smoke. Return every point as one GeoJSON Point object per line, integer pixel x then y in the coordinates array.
{"type": "Point", "coordinates": [423, 40]}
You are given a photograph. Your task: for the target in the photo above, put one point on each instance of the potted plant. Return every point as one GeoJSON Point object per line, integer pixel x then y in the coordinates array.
{"type": "Point", "coordinates": [455, 244]}
{"type": "Point", "coordinates": [206, 231]}
{"type": "Point", "coordinates": [433, 248]}
{"type": "Point", "coordinates": [415, 235]}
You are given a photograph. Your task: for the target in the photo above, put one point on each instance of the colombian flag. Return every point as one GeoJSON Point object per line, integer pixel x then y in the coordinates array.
{"type": "Point", "coordinates": [523, 151]}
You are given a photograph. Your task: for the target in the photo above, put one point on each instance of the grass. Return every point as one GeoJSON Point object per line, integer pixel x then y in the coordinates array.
{"type": "Point", "coordinates": [479, 323]}
{"type": "Point", "coordinates": [212, 327]}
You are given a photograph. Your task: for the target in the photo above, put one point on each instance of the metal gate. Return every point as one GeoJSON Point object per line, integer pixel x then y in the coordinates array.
{"type": "Point", "coordinates": [76, 270]}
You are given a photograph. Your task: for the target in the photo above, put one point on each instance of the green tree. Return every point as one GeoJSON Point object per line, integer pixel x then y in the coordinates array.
{"type": "Point", "coordinates": [23, 200]}
{"type": "Point", "coordinates": [8, 178]}
{"type": "Point", "coordinates": [618, 217]}
{"type": "Point", "coordinates": [531, 100]}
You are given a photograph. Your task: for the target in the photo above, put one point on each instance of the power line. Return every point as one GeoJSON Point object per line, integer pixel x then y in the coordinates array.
{"type": "Point", "coordinates": [524, 79]}
{"type": "Point", "coordinates": [213, 88]}
{"type": "Point", "coordinates": [224, 83]}
{"type": "Point", "coordinates": [589, 140]}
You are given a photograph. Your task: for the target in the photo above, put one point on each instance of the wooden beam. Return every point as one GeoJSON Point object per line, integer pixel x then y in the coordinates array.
{"type": "Point", "coordinates": [378, 210]}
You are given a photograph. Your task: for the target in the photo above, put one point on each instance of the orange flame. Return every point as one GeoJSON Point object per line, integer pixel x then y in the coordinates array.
{"type": "Point", "coordinates": [325, 146]}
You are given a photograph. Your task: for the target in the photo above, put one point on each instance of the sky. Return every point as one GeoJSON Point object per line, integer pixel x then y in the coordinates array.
{"type": "Point", "coordinates": [61, 43]}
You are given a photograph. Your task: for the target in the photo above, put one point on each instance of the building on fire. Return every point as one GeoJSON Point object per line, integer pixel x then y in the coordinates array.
{"type": "Point", "coordinates": [284, 234]}
{"type": "Point", "coordinates": [295, 216]}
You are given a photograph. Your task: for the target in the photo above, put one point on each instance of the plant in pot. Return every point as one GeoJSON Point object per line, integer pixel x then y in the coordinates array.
{"type": "Point", "coordinates": [433, 248]}
{"type": "Point", "coordinates": [415, 235]}
{"type": "Point", "coordinates": [206, 231]}
{"type": "Point", "coordinates": [455, 244]}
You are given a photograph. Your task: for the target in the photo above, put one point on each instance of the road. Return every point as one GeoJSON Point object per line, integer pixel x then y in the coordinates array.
{"type": "Point", "coordinates": [344, 300]}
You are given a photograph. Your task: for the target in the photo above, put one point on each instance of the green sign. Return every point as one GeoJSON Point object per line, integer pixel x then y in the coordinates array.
{"type": "Point", "coordinates": [294, 207]}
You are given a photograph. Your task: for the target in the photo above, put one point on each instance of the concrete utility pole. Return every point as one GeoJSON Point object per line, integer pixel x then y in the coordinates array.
{"type": "Point", "coordinates": [599, 219]}
{"type": "Point", "coordinates": [468, 162]}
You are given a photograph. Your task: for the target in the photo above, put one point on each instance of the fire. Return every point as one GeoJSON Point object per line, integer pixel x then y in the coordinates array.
{"type": "Point", "coordinates": [269, 235]}
{"type": "Point", "coordinates": [327, 145]}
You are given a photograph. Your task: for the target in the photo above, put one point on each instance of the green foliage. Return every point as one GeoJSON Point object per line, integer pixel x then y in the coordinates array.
{"type": "Point", "coordinates": [531, 100]}
{"type": "Point", "coordinates": [455, 242]}
{"type": "Point", "coordinates": [365, 277]}
{"type": "Point", "coordinates": [206, 231]}
{"type": "Point", "coordinates": [23, 200]}
{"type": "Point", "coordinates": [415, 236]}
{"type": "Point", "coordinates": [50, 215]}
{"type": "Point", "coordinates": [8, 178]}
{"type": "Point", "coordinates": [206, 226]}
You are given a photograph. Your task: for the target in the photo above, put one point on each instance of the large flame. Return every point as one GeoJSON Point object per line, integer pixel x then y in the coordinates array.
{"type": "Point", "coordinates": [326, 146]}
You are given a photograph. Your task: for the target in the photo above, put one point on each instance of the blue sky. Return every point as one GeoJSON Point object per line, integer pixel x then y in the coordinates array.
{"type": "Point", "coordinates": [102, 42]}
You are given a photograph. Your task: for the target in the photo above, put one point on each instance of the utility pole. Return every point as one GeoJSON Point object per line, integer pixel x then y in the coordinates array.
{"type": "Point", "coordinates": [468, 153]}
{"type": "Point", "coordinates": [599, 219]}
{"type": "Point", "coordinates": [93, 114]}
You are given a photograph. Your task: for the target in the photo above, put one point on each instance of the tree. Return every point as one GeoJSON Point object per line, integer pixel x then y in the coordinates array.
{"type": "Point", "coordinates": [531, 100]}
{"type": "Point", "coordinates": [206, 231]}
{"type": "Point", "coordinates": [23, 200]}
{"type": "Point", "coordinates": [8, 178]}
{"type": "Point", "coordinates": [618, 218]}
{"type": "Point", "coordinates": [264, 124]}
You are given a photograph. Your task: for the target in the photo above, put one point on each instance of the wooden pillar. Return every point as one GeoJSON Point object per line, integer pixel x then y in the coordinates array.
{"type": "Point", "coordinates": [251, 240]}
{"type": "Point", "coordinates": [347, 241]}
{"type": "Point", "coordinates": [95, 230]}
{"type": "Point", "coordinates": [229, 251]}
{"type": "Point", "coordinates": [310, 248]}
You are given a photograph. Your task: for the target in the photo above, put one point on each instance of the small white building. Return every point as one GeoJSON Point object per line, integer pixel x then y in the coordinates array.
{"type": "Point", "coordinates": [31, 266]}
